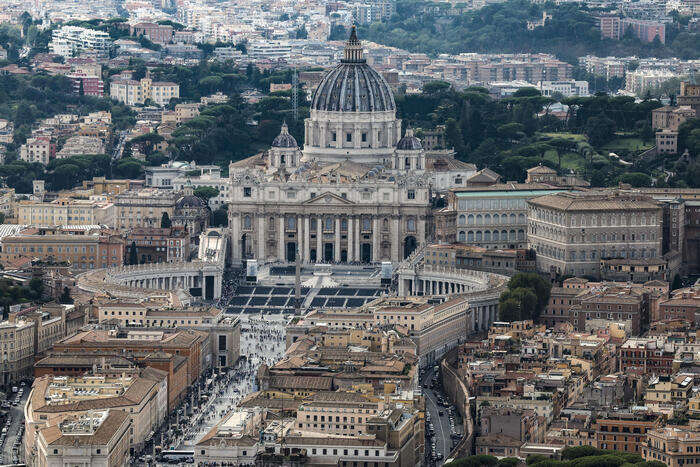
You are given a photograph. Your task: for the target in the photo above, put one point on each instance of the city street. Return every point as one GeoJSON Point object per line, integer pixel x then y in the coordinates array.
{"type": "Point", "coordinates": [262, 341]}
{"type": "Point", "coordinates": [444, 426]}
{"type": "Point", "coordinates": [15, 430]}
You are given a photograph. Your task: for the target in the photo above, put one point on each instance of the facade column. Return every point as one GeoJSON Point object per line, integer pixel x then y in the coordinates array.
{"type": "Point", "coordinates": [300, 238]}
{"type": "Point", "coordinates": [319, 240]}
{"type": "Point", "coordinates": [261, 238]}
{"type": "Point", "coordinates": [358, 235]}
{"type": "Point", "coordinates": [307, 240]}
{"type": "Point", "coordinates": [421, 231]}
{"type": "Point", "coordinates": [280, 240]}
{"type": "Point", "coordinates": [395, 240]}
{"type": "Point", "coordinates": [235, 238]}
{"type": "Point", "coordinates": [339, 136]}
{"type": "Point", "coordinates": [351, 239]}
{"type": "Point", "coordinates": [322, 135]}
{"type": "Point", "coordinates": [336, 253]}
{"type": "Point", "coordinates": [375, 240]}
{"type": "Point", "coordinates": [356, 136]}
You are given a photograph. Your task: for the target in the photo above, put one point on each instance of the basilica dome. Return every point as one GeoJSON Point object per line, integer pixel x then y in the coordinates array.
{"type": "Point", "coordinates": [353, 85]}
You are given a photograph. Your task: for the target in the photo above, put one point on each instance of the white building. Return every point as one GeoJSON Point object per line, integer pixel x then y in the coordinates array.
{"type": "Point", "coordinates": [568, 88]}
{"type": "Point", "coordinates": [270, 50]}
{"type": "Point", "coordinates": [642, 80]}
{"type": "Point", "coordinates": [69, 41]}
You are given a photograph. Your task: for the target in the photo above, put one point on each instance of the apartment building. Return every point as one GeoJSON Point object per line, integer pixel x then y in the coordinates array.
{"type": "Point", "coordinates": [143, 208]}
{"type": "Point", "coordinates": [17, 347]}
{"type": "Point", "coordinates": [641, 80]}
{"type": "Point", "coordinates": [647, 356]}
{"type": "Point", "coordinates": [80, 145]}
{"type": "Point", "coordinates": [132, 92]}
{"type": "Point", "coordinates": [97, 438]}
{"type": "Point", "coordinates": [624, 431]}
{"type": "Point", "coordinates": [89, 251]}
{"type": "Point", "coordinates": [38, 149]}
{"type": "Point", "coordinates": [158, 245]}
{"type": "Point", "coordinates": [69, 41]}
{"type": "Point", "coordinates": [158, 33]}
{"type": "Point", "coordinates": [675, 446]}
{"type": "Point", "coordinates": [65, 211]}
{"type": "Point", "coordinates": [572, 232]}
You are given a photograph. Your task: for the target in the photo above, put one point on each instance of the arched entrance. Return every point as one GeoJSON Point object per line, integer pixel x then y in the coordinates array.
{"type": "Point", "coordinates": [312, 255]}
{"type": "Point", "coordinates": [343, 256]}
{"type": "Point", "coordinates": [328, 252]}
{"type": "Point", "coordinates": [366, 253]}
{"type": "Point", "coordinates": [291, 251]}
{"type": "Point", "coordinates": [409, 244]}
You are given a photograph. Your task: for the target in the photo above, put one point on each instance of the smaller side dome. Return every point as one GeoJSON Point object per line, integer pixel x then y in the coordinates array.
{"type": "Point", "coordinates": [409, 142]}
{"type": "Point", "coordinates": [284, 139]}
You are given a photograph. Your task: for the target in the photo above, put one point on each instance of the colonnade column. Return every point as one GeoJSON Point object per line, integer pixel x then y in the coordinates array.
{"type": "Point", "coordinates": [421, 231]}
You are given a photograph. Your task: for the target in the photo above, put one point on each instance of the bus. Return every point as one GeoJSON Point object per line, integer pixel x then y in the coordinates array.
{"type": "Point", "coordinates": [176, 457]}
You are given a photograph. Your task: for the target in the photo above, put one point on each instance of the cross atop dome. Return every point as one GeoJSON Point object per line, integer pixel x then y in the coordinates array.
{"type": "Point", "coordinates": [353, 49]}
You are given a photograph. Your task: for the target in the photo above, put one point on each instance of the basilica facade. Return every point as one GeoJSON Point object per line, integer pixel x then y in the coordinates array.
{"type": "Point", "coordinates": [357, 192]}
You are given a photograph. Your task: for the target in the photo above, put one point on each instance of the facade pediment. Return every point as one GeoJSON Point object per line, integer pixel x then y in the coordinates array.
{"type": "Point", "coordinates": [329, 199]}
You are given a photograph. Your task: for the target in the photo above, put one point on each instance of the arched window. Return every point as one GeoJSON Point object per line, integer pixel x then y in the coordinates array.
{"type": "Point", "coordinates": [247, 223]}
{"type": "Point", "coordinates": [462, 219]}
{"type": "Point", "coordinates": [512, 218]}
{"type": "Point", "coordinates": [511, 235]}
{"type": "Point", "coordinates": [470, 219]}
{"type": "Point", "coordinates": [496, 219]}
{"type": "Point", "coordinates": [462, 236]}
{"type": "Point", "coordinates": [470, 236]}
{"type": "Point", "coordinates": [312, 223]}
{"type": "Point", "coordinates": [521, 235]}
{"type": "Point", "coordinates": [495, 235]}
{"type": "Point", "coordinates": [479, 219]}
{"type": "Point", "coordinates": [478, 235]}
{"type": "Point", "coordinates": [487, 236]}
{"type": "Point", "coordinates": [344, 224]}
{"type": "Point", "coordinates": [522, 219]}
{"type": "Point", "coordinates": [385, 224]}
{"type": "Point", "coordinates": [407, 163]}
{"type": "Point", "coordinates": [487, 219]}
{"type": "Point", "coordinates": [504, 235]}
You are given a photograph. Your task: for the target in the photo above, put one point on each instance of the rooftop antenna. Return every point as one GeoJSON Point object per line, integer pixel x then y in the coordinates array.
{"type": "Point", "coordinates": [295, 98]}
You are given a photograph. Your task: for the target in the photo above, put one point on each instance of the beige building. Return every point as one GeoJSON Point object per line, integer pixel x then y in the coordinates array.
{"type": "Point", "coordinates": [80, 145]}
{"type": "Point", "coordinates": [132, 92]}
{"type": "Point", "coordinates": [141, 394]}
{"type": "Point", "coordinates": [186, 112]}
{"type": "Point", "coordinates": [65, 211]}
{"type": "Point", "coordinates": [143, 208]}
{"type": "Point", "coordinates": [39, 149]}
{"type": "Point", "coordinates": [674, 446]}
{"type": "Point", "coordinates": [98, 438]}
{"type": "Point", "coordinates": [17, 350]}
{"type": "Point", "coordinates": [82, 251]}
{"type": "Point", "coordinates": [573, 232]}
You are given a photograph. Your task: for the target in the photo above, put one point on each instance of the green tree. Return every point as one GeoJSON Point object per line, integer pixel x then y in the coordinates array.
{"type": "Point", "coordinates": [165, 222]}
{"type": "Point", "coordinates": [206, 192]}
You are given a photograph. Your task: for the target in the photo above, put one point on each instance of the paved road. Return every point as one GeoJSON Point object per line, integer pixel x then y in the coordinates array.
{"type": "Point", "coordinates": [443, 430]}
{"type": "Point", "coordinates": [17, 421]}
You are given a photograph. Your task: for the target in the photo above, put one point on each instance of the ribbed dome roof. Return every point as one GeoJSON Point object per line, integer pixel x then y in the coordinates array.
{"type": "Point", "coordinates": [353, 85]}
{"type": "Point", "coordinates": [409, 142]}
{"type": "Point", "coordinates": [284, 139]}
{"type": "Point", "coordinates": [190, 201]}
